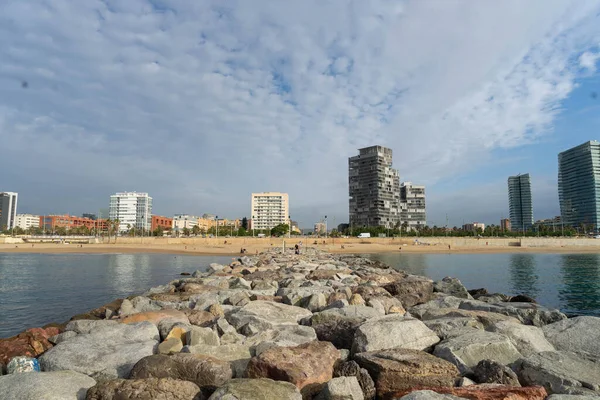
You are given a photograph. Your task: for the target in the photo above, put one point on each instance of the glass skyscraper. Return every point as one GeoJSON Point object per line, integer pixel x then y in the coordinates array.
{"type": "Point", "coordinates": [579, 185]}
{"type": "Point", "coordinates": [520, 202]}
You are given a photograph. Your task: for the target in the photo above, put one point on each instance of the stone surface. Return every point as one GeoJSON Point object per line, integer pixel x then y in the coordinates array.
{"type": "Point", "coordinates": [488, 371]}
{"type": "Point", "coordinates": [411, 290]}
{"type": "Point", "coordinates": [156, 316]}
{"type": "Point", "coordinates": [528, 313]}
{"type": "Point", "coordinates": [560, 372]}
{"type": "Point", "coordinates": [297, 295]}
{"type": "Point", "coordinates": [316, 302]}
{"type": "Point", "coordinates": [104, 353]}
{"type": "Point", "coordinates": [267, 314]}
{"type": "Point", "coordinates": [144, 389]}
{"type": "Point", "coordinates": [197, 335]}
{"type": "Point", "coordinates": [356, 300]}
{"type": "Point", "coordinates": [342, 388]}
{"type": "Point", "coordinates": [571, 397]}
{"type": "Point", "coordinates": [287, 335]}
{"type": "Point", "coordinates": [30, 343]}
{"type": "Point", "coordinates": [393, 331]}
{"type": "Point", "coordinates": [527, 339]}
{"type": "Point", "coordinates": [201, 317]}
{"type": "Point", "coordinates": [237, 354]}
{"type": "Point", "coordinates": [308, 366]}
{"type": "Point", "coordinates": [61, 337]}
{"type": "Point", "coordinates": [338, 325]}
{"type": "Point", "coordinates": [452, 287]}
{"type": "Point", "coordinates": [428, 395]}
{"type": "Point", "coordinates": [399, 369]}
{"type": "Point", "coordinates": [170, 346]}
{"type": "Point", "coordinates": [486, 318]}
{"type": "Point", "coordinates": [351, 368]}
{"type": "Point", "coordinates": [451, 327]}
{"type": "Point", "coordinates": [205, 371]}
{"type": "Point", "coordinates": [467, 350]}
{"type": "Point", "coordinates": [256, 389]}
{"type": "Point", "coordinates": [489, 392]}
{"type": "Point", "coordinates": [580, 335]}
{"type": "Point", "coordinates": [56, 385]}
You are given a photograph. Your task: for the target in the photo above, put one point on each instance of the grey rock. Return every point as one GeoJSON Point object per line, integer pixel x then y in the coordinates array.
{"type": "Point", "coordinates": [143, 304]}
{"type": "Point", "coordinates": [527, 339]}
{"type": "Point", "coordinates": [204, 300]}
{"type": "Point", "coordinates": [464, 381]}
{"type": "Point", "coordinates": [126, 308]}
{"type": "Point", "coordinates": [528, 313]}
{"type": "Point", "coordinates": [214, 267]}
{"type": "Point", "coordinates": [376, 304]}
{"type": "Point", "coordinates": [351, 368]}
{"type": "Point", "coordinates": [256, 389]}
{"type": "Point", "coordinates": [341, 303]}
{"type": "Point", "coordinates": [440, 301]}
{"type": "Point", "coordinates": [316, 302]}
{"type": "Point", "coordinates": [580, 335]}
{"type": "Point", "coordinates": [338, 325]}
{"type": "Point", "coordinates": [467, 350]}
{"type": "Point", "coordinates": [393, 331]}
{"type": "Point", "coordinates": [248, 261]}
{"type": "Point", "coordinates": [232, 338]}
{"type": "Point", "coordinates": [197, 335]}
{"type": "Point", "coordinates": [239, 355]}
{"type": "Point", "coordinates": [88, 325]}
{"type": "Point", "coordinates": [61, 337]}
{"type": "Point", "coordinates": [142, 389]}
{"type": "Point", "coordinates": [428, 395]}
{"type": "Point", "coordinates": [341, 388]}
{"type": "Point", "coordinates": [240, 283]}
{"type": "Point", "coordinates": [451, 327]}
{"type": "Point", "coordinates": [170, 346]}
{"type": "Point", "coordinates": [451, 286]}
{"type": "Point", "coordinates": [489, 371]}
{"type": "Point", "coordinates": [56, 385]}
{"type": "Point", "coordinates": [295, 296]}
{"type": "Point", "coordinates": [166, 325]}
{"type": "Point", "coordinates": [267, 314]}
{"type": "Point", "coordinates": [224, 327]}
{"type": "Point", "coordinates": [239, 299]}
{"type": "Point", "coordinates": [284, 336]}
{"type": "Point", "coordinates": [411, 290]}
{"type": "Point", "coordinates": [560, 372]}
{"type": "Point", "coordinates": [198, 274]}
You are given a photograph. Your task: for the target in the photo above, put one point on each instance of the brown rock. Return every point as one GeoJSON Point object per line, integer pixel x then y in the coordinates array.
{"type": "Point", "coordinates": [308, 366]}
{"type": "Point", "coordinates": [490, 371]}
{"type": "Point", "coordinates": [411, 290]}
{"type": "Point", "coordinates": [113, 306]}
{"type": "Point", "coordinates": [276, 299]}
{"type": "Point", "coordinates": [351, 368]}
{"type": "Point", "coordinates": [144, 389]}
{"type": "Point", "coordinates": [216, 310]}
{"type": "Point", "coordinates": [333, 297]}
{"type": "Point", "coordinates": [484, 392]}
{"type": "Point", "coordinates": [156, 316]}
{"type": "Point", "coordinates": [326, 274]}
{"type": "Point", "coordinates": [198, 288]}
{"type": "Point", "coordinates": [201, 318]}
{"type": "Point", "coordinates": [30, 343]}
{"type": "Point", "coordinates": [369, 291]}
{"type": "Point", "coordinates": [401, 369]}
{"type": "Point", "coordinates": [170, 297]}
{"type": "Point", "coordinates": [356, 300]}
{"type": "Point", "coordinates": [177, 332]}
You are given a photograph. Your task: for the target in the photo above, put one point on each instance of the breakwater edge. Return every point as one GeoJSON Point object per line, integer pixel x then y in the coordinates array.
{"type": "Point", "coordinates": [315, 325]}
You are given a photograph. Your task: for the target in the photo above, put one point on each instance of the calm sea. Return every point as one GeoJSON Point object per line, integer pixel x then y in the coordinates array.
{"type": "Point", "coordinates": [36, 289]}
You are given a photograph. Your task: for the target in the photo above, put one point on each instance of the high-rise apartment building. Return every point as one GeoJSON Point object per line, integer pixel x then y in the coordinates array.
{"type": "Point", "coordinates": [374, 188]}
{"type": "Point", "coordinates": [520, 203]}
{"type": "Point", "coordinates": [505, 224]}
{"type": "Point", "coordinates": [8, 209]}
{"type": "Point", "coordinates": [412, 206]}
{"type": "Point", "coordinates": [132, 209]}
{"type": "Point", "coordinates": [579, 185]}
{"type": "Point", "coordinates": [26, 221]}
{"type": "Point", "coordinates": [270, 209]}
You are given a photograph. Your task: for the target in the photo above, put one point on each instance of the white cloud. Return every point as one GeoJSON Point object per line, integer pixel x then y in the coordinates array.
{"type": "Point", "coordinates": [588, 60]}
{"type": "Point", "coordinates": [201, 103]}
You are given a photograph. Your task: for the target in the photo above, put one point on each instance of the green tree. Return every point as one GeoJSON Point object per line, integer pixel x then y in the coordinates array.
{"type": "Point", "coordinates": [280, 230]}
{"type": "Point", "coordinates": [242, 231]}
{"type": "Point", "coordinates": [158, 231]}
{"type": "Point", "coordinates": [196, 230]}
{"type": "Point", "coordinates": [245, 223]}
{"type": "Point", "coordinates": [186, 231]}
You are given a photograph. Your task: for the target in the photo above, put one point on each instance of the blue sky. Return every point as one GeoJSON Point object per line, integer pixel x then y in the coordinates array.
{"type": "Point", "coordinates": [201, 103]}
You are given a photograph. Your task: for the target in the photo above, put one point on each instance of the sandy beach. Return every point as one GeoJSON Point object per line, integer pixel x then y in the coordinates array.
{"type": "Point", "coordinates": [232, 246]}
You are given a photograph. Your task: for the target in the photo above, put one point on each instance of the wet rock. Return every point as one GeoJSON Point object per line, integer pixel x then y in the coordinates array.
{"type": "Point", "coordinates": [339, 325]}
{"type": "Point", "coordinates": [30, 343]}
{"type": "Point", "coordinates": [308, 366]}
{"type": "Point", "coordinates": [452, 287]}
{"type": "Point", "coordinates": [411, 290]}
{"type": "Point", "coordinates": [560, 372]}
{"type": "Point", "coordinates": [486, 392]}
{"type": "Point", "coordinates": [156, 316]}
{"type": "Point", "coordinates": [401, 369]}
{"type": "Point", "coordinates": [467, 350]}
{"type": "Point", "coordinates": [527, 339]}
{"type": "Point", "coordinates": [342, 388]}
{"type": "Point", "coordinates": [393, 331]}
{"type": "Point", "coordinates": [56, 385]}
{"type": "Point", "coordinates": [351, 368]}
{"type": "Point", "coordinates": [580, 335]}
{"type": "Point", "coordinates": [489, 371]}
{"type": "Point", "coordinates": [143, 389]}
{"type": "Point", "coordinates": [237, 354]}
{"type": "Point", "coordinates": [256, 389]}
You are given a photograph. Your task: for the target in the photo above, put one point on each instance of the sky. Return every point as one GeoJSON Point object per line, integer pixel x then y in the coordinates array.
{"type": "Point", "coordinates": [201, 103]}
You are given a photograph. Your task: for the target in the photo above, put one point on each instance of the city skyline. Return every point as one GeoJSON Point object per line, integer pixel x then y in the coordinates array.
{"type": "Point", "coordinates": [200, 103]}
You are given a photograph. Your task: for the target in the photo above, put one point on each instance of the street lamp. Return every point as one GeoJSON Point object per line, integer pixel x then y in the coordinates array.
{"type": "Point", "coordinates": [252, 222]}
{"type": "Point", "coordinates": [326, 227]}
{"type": "Point", "coordinates": [217, 226]}
{"type": "Point", "coordinates": [290, 227]}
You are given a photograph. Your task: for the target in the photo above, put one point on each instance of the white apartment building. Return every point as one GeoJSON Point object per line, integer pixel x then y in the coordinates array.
{"type": "Point", "coordinates": [26, 221]}
{"type": "Point", "coordinates": [132, 209]}
{"type": "Point", "coordinates": [412, 206]}
{"type": "Point", "coordinates": [270, 209]}
{"type": "Point", "coordinates": [8, 209]}
{"type": "Point", "coordinates": [181, 221]}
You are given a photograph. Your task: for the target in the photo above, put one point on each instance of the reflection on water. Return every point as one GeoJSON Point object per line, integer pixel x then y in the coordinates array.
{"type": "Point", "coordinates": [580, 289]}
{"type": "Point", "coordinates": [523, 276]}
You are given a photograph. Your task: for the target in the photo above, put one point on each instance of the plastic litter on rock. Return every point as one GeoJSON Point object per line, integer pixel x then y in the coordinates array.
{"type": "Point", "coordinates": [21, 364]}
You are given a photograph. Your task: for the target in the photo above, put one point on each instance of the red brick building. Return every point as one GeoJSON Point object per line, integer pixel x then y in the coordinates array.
{"type": "Point", "coordinates": [51, 222]}
{"type": "Point", "coordinates": [164, 222]}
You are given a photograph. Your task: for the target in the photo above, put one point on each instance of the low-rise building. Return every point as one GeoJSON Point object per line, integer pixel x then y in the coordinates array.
{"type": "Point", "coordinates": [165, 223]}
{"type": "Point", "coordinates": [26, 221]}
{"type": "Point", "coordinates": [473, 226]}
{"type": "Point", "coordinates": [182, 221]}
{"type": "Point", "coordinates": [49, 223]}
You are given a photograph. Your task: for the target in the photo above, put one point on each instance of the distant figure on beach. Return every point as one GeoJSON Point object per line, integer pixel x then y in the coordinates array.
{"type": "Point", "coordinates": [296, 249]}
{"type": "Point", "coordinates": [400, 248]}
{"type": "Point", "coordinates": [448, 247]}
{"type": "Point", "coordinates": [343, 247]}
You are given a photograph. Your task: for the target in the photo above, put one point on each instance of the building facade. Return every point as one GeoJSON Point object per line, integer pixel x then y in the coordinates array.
{"type": "Point", "coordinates": [505, 224]}
{"type": "Point", "coordinates": [165, 223]}
{"type": "Point", "coordinates": [183, 221]}
{"type": "Point", "coordinates": [132, 209]}
{"type": "Point", "coordinates": [26, 221]}
{"type": "Point", "coordinates": [320, 228]}
{"type": "Point", "coordinates": [8, 210]}
{"type": "Point", "coordinates": [270, 209]}
{"type": "Point", "coordinates": [520, 202]}
{"type": "Point", "coordinates": [579, 185]}
{"type": "Point", "coordinates": [473, 227]}
{"type": "Point", "coordinates": [374, 188]}
{"type": "Point", "coordinates": [49, 223]}
{"type": "Point", "coordinates": [412, 206]}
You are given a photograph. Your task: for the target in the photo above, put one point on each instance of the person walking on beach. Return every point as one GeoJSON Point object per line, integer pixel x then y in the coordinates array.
{"type": "Point", "coordinates": [296, 249]}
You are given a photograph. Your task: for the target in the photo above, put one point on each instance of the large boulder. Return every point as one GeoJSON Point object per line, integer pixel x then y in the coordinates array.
{"type": "Point", "coordinates": [338, 325]}
{"type": "Point", "coordinates": [486, 318]}
{"type": "Point", "coordinates": [144, 389]}
{"type": "Point", "coordinates": [285, 335]}
{"type": "Point", "coordinates": [207, 372]}
{"type": "Point", "coordinates": [108, 352]}
{"type": "Point", "coordinates": [351, 368]}
{"type": "Point", "coordinates": [452, 287]}
{"type": "Point", "coordinates": [256, 389]}
{"type": "Point", "coordinates": [267, 315]}
{"type": "Point", "coordinates": [342, 388]}
{"type": "Point", "coordinates": [528, 313]}
{"type": "Point", "coordinates": [560, 372]}
{"type": "Point", "coordinates": [484, 392]}
{"type": "Point", "coordinates": [489, 371]}
{"type": "Point", "coordinates": [411, 290]}
{"type": "Point", "coordinates": [580, 335]}
{"type": "Point", "coordinates": [156, 316]}
{"type": "Point", "coordinates": [30, 343]}
{"type": "Point", "coordinates": [399, 369]}
{"type": "Point", "coordinates": [527, 339]}
{"type": "Point", "coordinates": [393, 331]}
{"type": "Point", "coordinates": [298, 296]}
{"type": "Point", "coordinates": [450, 327]}
{"type": "Point", "coordinates": [56, 385]}
{"type": "Point", "coordinates": [467, 350]}
{"type": "Point", "coordinates": [308, 366]}
{"type": "Point", "coordinates": [237, 354]}
{"type": "Point", "coordinates": [428, 395]}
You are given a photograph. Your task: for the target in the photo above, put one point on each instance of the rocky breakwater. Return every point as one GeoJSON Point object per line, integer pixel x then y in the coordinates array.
{"type": "Point", "coordinates": [312, 326]}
